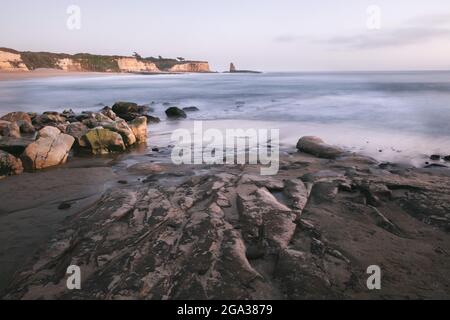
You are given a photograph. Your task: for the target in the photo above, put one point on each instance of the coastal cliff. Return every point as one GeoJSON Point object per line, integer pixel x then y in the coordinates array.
{"type": "Point", "coordinates": [191, 67]}
{"type": "Point", "coordinates": [12, 60]}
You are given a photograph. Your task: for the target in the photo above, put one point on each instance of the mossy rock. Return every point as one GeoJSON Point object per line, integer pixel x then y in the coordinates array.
{"type": "Point", "coordinates": [103, 141]}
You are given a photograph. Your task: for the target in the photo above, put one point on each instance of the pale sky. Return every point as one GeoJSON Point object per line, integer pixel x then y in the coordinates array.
{"type": "Point", "coordinates": [267, 35]}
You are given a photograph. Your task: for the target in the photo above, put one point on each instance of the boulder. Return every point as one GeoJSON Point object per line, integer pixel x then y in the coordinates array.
{"type": "Point", "coordinates": [107, 111]}
{"type": "Point", "coordinates": [9, 165]}
{"type": "Point", "coordinates": [25, 127]}
{"type": "Point", "coordinates": [50, 149]}
{"type": "Point", "coordinates": [152, 119]}
{"type": "Point", "coordinates": [77, 130]}
{"type": "Point", "coordinates": [103, 141]}
{"type": "Point", "coordinates": [129, 110]}
{"type": "Point", "coordinates": [139, 128]}
{"type": "Point", "coordinates": [69, 113]}
{"type": "Point", "coordinates": [16, 116]}
{"type": "Point", "coordinates": [121, 126]}
{"type": "Point", "coordinates": [125, 107]}
{"type": "Point", "coordinates": [447, 158]}
{"type": "Point", "coordinates": [62, 127]}
{"type": "Point", "coordinates": [15, 146]}
{"type": "Point", "coordinates": [317, 147]}
{"type": "Point", "coordinates": [9, 129]}
{"type": "Point", "coordinates": [49, 118]}
{"type": "Point", "coordinates": [175, 113]}
{"type": "Point", "coordinates": [97, 120]}
{"type": "Point", "coordinates": [49, 132]}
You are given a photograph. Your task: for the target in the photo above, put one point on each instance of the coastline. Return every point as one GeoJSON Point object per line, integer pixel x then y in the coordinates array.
{"type": "Point", "coordinates": [46, 73]}
{"type": "Point", "coordinates": [330, 215]}
{"type": "Point", "coordinates": [314, 201]}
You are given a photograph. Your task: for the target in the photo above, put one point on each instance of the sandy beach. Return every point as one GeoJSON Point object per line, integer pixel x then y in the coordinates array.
{"type": "Point", "coordinates": [47, 73]}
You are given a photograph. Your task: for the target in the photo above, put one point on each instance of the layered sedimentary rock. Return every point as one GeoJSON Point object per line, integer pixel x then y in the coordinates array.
{"type": "Point", "coordinates": [10, 61]}
{"type": "Point", "coordinates": [191, 67]}
{"type": "Point", "coordinates": [68, 64]}
{"type": "Point", "coordinates": [212, 232]}
{"type": "Point", "coordinates": [133, 65]}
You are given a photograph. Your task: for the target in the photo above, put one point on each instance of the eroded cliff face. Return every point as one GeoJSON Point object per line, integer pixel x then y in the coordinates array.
{"type": "Point", "coordinates": [191, 67]}
{"type": "Point", "coordinates": [133, 65]}
{"type": "Point", "coordinates": [69, 65]}
{"type": "Point", "coordinates": [11, 62]}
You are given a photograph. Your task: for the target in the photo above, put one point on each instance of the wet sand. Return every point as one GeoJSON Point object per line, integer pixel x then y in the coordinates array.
{"type": "Point", "coordinates": [29, 213]}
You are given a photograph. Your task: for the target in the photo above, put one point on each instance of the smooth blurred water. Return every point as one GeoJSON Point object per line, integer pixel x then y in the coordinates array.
{"type": "Point", "coordinates": [404, 104]}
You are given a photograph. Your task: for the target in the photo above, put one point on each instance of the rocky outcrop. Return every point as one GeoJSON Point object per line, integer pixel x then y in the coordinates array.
{"type": "Point", "coordinates": [225, 233]}
{"type": "Point", "coordinates": [11, 61]}
{"type": "Point", "coordinates": [139, 128]}
{"type": "Point", "coordinates": [104, 141]}
{"type": "Point", "coordinates": [121, 127]}
{"type": "Point", "coordinates": [9, 165]}
{"type": "Point", "coordinates": [9, 129]}
{"type": "Point", "coordinates": [233, 69]}
{"type": "Point", "coordinates": [191, 67]}
{"type": "Point", "coordinates": [15, 146]}
{"type": "Point", "coordinates": [49, 118]}
{"type": "Point", "coordinates": [50, 149]}
{"type": "Point", "coordinates": [175, 113]}
{"type": "Point", "coordinates": [129, 110]}
{"type": "Point", "coordinates": [17, 116]}
{"type": "Point", "coordinates": [77, 130]}
{"type": "Point", "coordinates": [318, 148]}
{"type": "Point", "coordinates": [134, 65]}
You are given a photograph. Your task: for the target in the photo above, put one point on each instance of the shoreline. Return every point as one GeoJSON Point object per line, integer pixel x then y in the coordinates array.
{"type": "Point", "coordinates": [362, 197]}
{"type": "Point", "coordinates": [141, 227]}
{"type": "Point", "coordinates": [46, 73]}
{"type": "Point", "coordinates": [49, 73]}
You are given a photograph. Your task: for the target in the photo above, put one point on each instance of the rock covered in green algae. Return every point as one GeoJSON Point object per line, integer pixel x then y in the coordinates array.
{"type": "Point", "coordinates": [103, 141]}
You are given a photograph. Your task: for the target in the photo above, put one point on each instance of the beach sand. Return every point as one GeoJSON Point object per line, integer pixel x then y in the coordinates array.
{"type": "Point", "coordinates": [46, 73]}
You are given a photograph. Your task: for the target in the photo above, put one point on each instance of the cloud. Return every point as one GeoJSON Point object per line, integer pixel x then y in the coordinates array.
{"type": "Point", "coordinates": [418, 30]}
{"type": "Point", "coordinates": [387, 38]}
{"type": "Point", "coordinates": [414, 31]}
{"type": "Point", "coordinates": [287, 38]}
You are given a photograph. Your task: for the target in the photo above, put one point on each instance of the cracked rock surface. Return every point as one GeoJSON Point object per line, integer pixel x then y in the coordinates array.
{"type": "Point", "coordinates": [216, 232]}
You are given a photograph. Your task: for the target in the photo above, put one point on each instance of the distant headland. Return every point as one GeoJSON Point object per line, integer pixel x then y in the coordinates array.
{"type": "Point", "coordinates": [12, 60]}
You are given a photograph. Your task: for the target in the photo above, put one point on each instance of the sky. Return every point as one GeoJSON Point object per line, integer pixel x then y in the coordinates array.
{"type": "Point", "coordinates": [266, 35]}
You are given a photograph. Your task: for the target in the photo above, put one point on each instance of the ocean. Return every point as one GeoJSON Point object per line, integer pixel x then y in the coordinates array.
{"type": "Point", "coordinates": [392, 116]}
